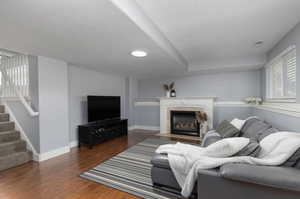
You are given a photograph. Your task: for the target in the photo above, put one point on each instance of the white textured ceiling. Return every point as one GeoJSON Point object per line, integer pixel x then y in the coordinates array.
{"type": "Point", "coordinates": [216, 33]}
{"type": "Point", "coordinates": [94, 34]}
{"type": "Point", "coordinates": [198, 34]}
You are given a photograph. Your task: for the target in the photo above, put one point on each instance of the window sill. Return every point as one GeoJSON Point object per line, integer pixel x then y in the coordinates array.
{"type": "Point", "coordinates": [280, 100]}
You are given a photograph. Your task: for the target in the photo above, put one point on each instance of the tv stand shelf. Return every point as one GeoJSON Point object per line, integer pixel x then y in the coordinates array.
{"type": "Point", "coordinates": [97, 132]}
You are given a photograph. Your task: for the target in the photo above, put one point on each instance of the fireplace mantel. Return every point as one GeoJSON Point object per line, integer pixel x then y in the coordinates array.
{"type": "Point", "coordinates": [184, 103]}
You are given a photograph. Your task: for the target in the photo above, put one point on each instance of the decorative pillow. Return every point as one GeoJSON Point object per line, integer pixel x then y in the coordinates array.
{"type": "Point", "coordinates": [252, 149]}
{"type": "Point", "coordinates": [210, 138]}
{"type": "Point", "coordinates": [253, 128]}
{"type": "Point", "coordinates": [238, 123]}
{"type": "Point", "coordinates": [226, 129]}
{"type": "Point", "coordinates": [293, 160]}
{"type": "Point", "coordinates": [263, 134]}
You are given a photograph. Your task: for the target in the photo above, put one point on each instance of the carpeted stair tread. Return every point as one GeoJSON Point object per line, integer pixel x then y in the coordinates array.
{"type": "Point", "coordinates": [4, 117]}
{"type": "Point", "coordinates": [15, 159]}
{"type": "Point", "coordinates": [7, 148]}
{"type": "Point", "coordinates": [13, 151]}
{"type": "Point", "coordinates": [7, 126]}
{"type": "Point", "coordinates": [9, 136]}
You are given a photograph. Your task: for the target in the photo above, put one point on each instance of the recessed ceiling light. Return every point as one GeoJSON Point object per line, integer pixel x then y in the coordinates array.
{"type": "Point", "coordinates": [138, 53]}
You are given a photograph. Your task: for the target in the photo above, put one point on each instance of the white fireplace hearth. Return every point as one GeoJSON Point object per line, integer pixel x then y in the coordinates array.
{"type": "Point", "coordinates": [205, 104]}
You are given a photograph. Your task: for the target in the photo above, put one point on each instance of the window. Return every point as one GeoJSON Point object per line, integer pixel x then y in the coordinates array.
{"type": "Point", "coordinates": [281, 75]}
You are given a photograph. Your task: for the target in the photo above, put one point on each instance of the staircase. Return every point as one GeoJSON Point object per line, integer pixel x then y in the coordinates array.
{"type": "Point", "coordinates": [13, 150]}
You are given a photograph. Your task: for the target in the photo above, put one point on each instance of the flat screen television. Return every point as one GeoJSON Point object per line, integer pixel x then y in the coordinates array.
{"type": "Point", "coordinates": [103, 107]}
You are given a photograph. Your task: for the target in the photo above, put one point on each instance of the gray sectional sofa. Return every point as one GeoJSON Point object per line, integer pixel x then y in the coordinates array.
{"type": "Point", "coordinates": [238, 181]}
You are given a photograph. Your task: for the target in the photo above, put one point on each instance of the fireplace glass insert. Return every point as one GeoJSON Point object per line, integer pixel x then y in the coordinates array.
{"type": "Point", "coordinates": [184, 123]}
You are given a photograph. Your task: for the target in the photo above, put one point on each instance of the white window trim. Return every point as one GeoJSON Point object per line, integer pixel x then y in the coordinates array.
{"type": "Point", "coordinates": [268, 82]}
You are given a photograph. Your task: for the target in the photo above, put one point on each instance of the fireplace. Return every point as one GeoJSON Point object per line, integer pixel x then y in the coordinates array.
{"type": "Point", "coordinates": [204, 105]}
{"type": "Point", "coordinates": [184, 123]}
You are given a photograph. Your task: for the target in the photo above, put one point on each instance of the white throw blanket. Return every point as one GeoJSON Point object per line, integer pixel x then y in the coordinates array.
{"type": "Point", "coordinates": [185, 160]}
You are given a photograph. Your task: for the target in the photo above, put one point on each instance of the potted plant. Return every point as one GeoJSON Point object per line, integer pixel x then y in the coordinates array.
{"type": "Point", "coordinates": [169, 88]}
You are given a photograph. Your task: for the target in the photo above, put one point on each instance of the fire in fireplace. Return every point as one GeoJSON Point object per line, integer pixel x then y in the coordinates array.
{"type": "Point", "coordinates": [185, 123]}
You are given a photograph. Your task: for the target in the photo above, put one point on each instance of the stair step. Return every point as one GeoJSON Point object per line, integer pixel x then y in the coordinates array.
{"type": "Point", "coordinates": [2, 108]}
{"type": "Point", "coordinates": [4, 117]}
{"type": "Point", "coordinates": [7, 126]}
{"type": "Point", "coordinates": [15, 159]}
{"type": "Point", "coordinates": [9, 136]}
{"type": "Point", "coordinates": [7, 148]}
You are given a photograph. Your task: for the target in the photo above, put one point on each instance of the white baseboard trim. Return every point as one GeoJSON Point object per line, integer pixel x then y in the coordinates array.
{"type": "Point", "coordinates": [131, 127]}
{"type": "Point", "coordinates": [151, 128]}
{"type": "Point", "coordinates": [54, 153]}
{"type": "Point", "coordinates": [73, 144]}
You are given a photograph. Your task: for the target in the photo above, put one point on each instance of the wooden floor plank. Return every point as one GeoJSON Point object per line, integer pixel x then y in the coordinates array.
{"type": "Point", "coordinates": [58, 178]}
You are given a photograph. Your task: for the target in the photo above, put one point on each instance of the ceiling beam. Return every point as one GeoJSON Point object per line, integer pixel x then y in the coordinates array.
{"type": "Point", "coordinates": [143, 21]}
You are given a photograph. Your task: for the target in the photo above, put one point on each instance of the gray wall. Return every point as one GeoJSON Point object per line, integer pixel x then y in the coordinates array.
{"type": "Point", "coordinates": [83, 82]}
{"type": "Point", "coordinates": [228, 86]}
{"type": "Point", "coordinates": [229, 113]}
{"type": "Point", "coordinates": [147, 116]}
{"type": "Point", "coordinates": [280, 121]}
{"type": "Point", "coordinates": [29, 124]}
{"type": "Point", "coordinates": [133, 94]}
{"type": "Point", "coordinates": [292, 38]}
{"type": "Point", "coordinates": [150, 115]}
{"type": "Point", "coordinates": [53, 104]}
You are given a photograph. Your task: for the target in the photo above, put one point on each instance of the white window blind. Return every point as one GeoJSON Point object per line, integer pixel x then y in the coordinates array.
{"type": "Point", "coordinates": [290, 60]}
{"type": "Point", "coordinates": [281, 75]}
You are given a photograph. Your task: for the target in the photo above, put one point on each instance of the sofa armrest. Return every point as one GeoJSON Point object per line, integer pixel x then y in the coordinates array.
{"type": "Point", "coordinates": [279, 177]}
{"type": "Point", "coordinates": [160, 160]}
{"type": "Point", "coordinates": [209, 172]}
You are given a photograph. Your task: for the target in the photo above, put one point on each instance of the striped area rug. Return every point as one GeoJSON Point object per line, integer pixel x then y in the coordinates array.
{"type": "Point", "coordinates": [130, 171]}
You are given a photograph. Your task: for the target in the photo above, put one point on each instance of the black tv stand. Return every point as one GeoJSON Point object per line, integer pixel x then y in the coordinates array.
{"type": "Point", "coordinates": [99, 131]}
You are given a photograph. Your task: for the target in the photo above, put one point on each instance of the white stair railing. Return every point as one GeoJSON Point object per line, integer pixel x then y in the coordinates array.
{"type": "Point", "coordinates": [15, 80]}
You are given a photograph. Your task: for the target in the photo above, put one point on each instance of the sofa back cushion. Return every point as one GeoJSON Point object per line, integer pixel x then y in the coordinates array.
{"type": "Point", "coordinates": [252, 149]}
{"type": "Point", "coordinates": [253, 128]}
{"type": "Point", "coordinates": [262, 134]}
{"type": "Point", "coordinates": [226, 129]}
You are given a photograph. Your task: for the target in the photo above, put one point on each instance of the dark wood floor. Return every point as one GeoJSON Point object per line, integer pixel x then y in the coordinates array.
{"type": "Point", "coordinates": [59, 177]}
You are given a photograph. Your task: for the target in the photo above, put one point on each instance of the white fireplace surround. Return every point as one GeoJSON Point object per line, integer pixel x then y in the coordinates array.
{"type": "Point", "coordinates": [205, 104]}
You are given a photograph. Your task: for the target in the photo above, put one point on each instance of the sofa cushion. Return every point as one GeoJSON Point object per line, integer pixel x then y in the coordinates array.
{"type": "Point", "coordinates": [226, 129]}
{"type": "Point", "coordinates": [278, 177]}
{"type": "Point", "coordinates": [252, 149]}
{"type": "Point", "coordinates": [237, 123]}
{"type": "Point", "coordinates": [160, 160]}
{"type": "Point", "coordinates": [262, 134]}
{"type": "Point", "coordinates": [164, 177]}
{"type": "Point", "coordinates": [210, 138]}
{"type": "Point", "coordinates": [253, 128]}
{"type": "Point", "coordinates": [293, 160]}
